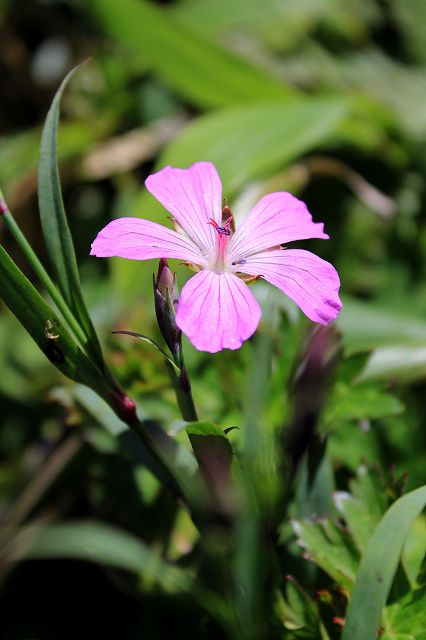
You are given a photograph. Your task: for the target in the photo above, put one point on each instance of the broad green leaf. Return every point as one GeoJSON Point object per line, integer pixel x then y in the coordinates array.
{"type": "Point", "coordinates": [251, 141]}
{"type": "Point", "coordinates": [379, 565]}
{"type": "Point", "coordinates": [55, 226]}
{"type": "Point", "coordinates": [359, 402]}
{"type": "Point", "coordinates": [398, 340]}
{"type": "Point", "coordinates": [192, 64]}
{"type": "Point", "coordinates": [44, 326]}
{"type": "Point", "coordinates": [367, 326]}
{"type": "Point", "coordinates": [399, 363]}
{"type": "Point", "coordinates": [106, 545]}
{"type": "Point", "coordinates": [281, 24]}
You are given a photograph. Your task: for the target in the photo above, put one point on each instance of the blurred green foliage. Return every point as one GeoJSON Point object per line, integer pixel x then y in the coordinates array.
{"type": "Point", "coordinates": [319, 97]}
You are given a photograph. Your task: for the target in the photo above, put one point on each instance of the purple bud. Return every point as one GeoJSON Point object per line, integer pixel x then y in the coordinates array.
{"type": "Point", "coordinates": [166, 297]}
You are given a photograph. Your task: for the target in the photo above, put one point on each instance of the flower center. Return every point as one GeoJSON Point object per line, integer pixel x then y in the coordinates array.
{"type": "Point", "coordinates": [223, 233]}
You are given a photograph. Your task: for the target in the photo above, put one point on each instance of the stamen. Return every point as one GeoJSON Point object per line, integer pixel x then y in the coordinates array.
{"type": "Point", "coordinates": [242, 261]}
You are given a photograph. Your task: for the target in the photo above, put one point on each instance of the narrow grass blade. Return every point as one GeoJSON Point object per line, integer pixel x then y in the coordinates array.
{"type": "Point", "coordinates": [154, 344]}
{"type": "Point", "coordinates": [55, 226]}
{"type": "Point", "coordinates": [44, 326]}
{"type": "Point", "coordinates": [379, 565]}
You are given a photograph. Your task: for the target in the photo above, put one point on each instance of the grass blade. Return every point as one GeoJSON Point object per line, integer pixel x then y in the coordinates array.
{"type": "Point", "coordinates": [55, 226]}
{"type": "Point", "coordinates": [44, 326]}
{"type": "Point", "coordinates": [379, 565]}
{"type": "Point", "coordinates": [107, 545]}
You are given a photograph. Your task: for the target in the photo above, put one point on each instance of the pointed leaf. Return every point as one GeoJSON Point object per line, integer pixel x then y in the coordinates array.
{"type": "Point", "coordinates": [44, 325]}
{"type": "Point", "coordinates": [378, 567]}
{"type": "Point", "coordinates": [154, 344]}
{"type": "Point", "coordinates": [104, 544]}
{"type": "Point", "coordinates": [55, 225]}
{"type": "Point", "coordinates": [212, 450]}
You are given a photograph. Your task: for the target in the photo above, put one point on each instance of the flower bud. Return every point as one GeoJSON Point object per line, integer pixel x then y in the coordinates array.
{"type": "Point", "coordinates": [166, 297]}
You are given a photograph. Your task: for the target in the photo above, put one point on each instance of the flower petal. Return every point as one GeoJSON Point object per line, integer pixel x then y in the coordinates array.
{"type": "Point", "coordinates": [276, 219]}
{"type": "Point", "coordinates": [310, 281]}
{"type": "Point", "coordinates": [192, 196]}
{"type": "Point", "coordinates": [139, 239]}
{"type": "Point", "coordinates": [217, 311]}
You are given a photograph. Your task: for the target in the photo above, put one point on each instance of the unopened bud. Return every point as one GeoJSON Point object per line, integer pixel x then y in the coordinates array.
{"type": "Point", "coordinates": [166, 297]}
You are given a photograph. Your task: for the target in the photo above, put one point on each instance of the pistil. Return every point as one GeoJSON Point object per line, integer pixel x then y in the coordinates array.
{"type": "Point", "coordinates": [223, 234]}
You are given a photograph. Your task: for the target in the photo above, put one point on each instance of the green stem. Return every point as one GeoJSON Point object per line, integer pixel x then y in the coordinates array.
{"type": "Point", "coordinates": [41, 273]}
{"type": "Point", "coordinates": [182, 387]}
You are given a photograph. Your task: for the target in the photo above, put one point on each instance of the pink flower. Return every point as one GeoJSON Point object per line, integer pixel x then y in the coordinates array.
{"type": "Point", "coordinates": [216, 308]}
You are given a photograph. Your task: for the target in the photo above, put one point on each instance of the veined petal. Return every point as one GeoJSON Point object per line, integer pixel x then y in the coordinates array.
{"type": "Point", "coordinates": [193, 196]}
{"type": "Point", "coordinates": [307, 279]}
{"type": "Point", "coordinates": [217, 311]}
{"type": "Point", "coordinates": [276, 219]}
{"type": "Point", "coordinates": [139, 239]}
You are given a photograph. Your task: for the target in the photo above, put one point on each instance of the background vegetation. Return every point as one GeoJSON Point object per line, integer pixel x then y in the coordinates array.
{"type": "Point", "coordinates": [318, 97]}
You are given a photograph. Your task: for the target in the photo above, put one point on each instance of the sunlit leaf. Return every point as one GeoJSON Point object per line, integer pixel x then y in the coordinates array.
{"type": "Point", "coordinates": [188, 61]}
{"type": "Point", "coordinates": [44, 326]}
{"type": "Point", "coordinates": [55, 225]}
{"type": "Point", "coordinates": [330, 547]}
{"type": "Point", "coordinates": [378, 566]}
{"type": "Point", "coordinates": [250, 141]}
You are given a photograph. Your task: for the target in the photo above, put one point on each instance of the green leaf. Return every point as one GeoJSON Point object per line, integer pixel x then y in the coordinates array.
{"type": "Point", "coordinates": [359, 402]}
{"type": "Point", "coordinates": [44, 326]}
{"type": "Point", "coordinates": [314, 482]}
{"type": "Point", "coordinates": [406, 620]}
{"type": "Point", "coordinates": [154, 344]}
{"type": "Point", "coordinates": [19, 152]}
{"type": "Point", "coordinates": [379, 565]}
{"type": "Point", "coordinates": [250, 141]}
{"type": "Point", "coordinates": [410, 16]}
{"type": "Point", "coordinates": [106, 545]}
{"type": "Point", "coordinates": [55, 226]}
{"type": "Point", "coordinates": [299, 612]}
{"type": "Point", "coordinates": [399, 363]}
{"type": "Point", "coordinates": [367, 326]}
{"type": "Point", "coordinates": [192, 64]}
{"type": "Point", "coordinates": [330, 547]}
{"type": "Point", "coordinates": [212, 450]}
